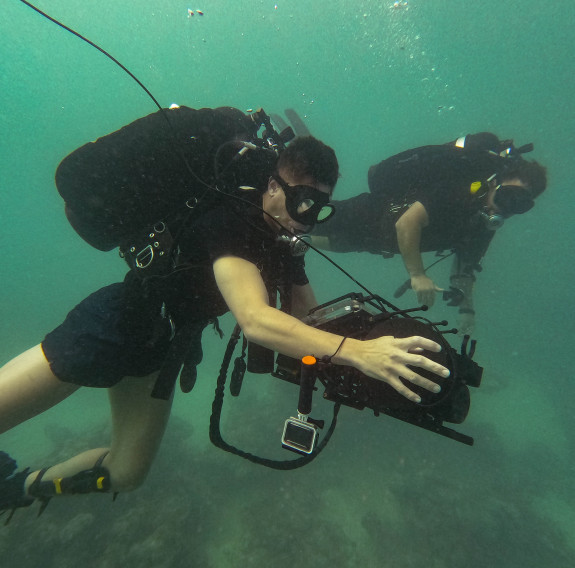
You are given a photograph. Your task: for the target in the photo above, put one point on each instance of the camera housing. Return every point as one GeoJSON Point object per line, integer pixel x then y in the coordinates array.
{"type": "Point", "coordinates": [364, 318]}
{"type": "Point", "coordinates": [299, 435]}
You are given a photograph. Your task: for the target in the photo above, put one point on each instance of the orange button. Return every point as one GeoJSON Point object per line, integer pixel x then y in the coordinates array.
{"type": "Point", "coordinates": [309, 360]}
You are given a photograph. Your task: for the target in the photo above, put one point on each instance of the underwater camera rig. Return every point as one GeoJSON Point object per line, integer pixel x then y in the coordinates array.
{"type": "Point", "coordinates": [359, 317]}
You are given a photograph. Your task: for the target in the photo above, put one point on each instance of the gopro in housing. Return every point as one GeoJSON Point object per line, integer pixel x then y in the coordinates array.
{"type": "Point", "coordinates": [299, 436]}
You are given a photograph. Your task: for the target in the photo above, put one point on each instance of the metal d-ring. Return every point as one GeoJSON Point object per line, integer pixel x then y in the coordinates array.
{"type": "Point", "coordinates": [145, 257]}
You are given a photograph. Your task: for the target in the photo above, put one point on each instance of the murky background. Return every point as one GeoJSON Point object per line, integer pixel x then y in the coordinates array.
{"type": "Point", "coordinates": [370, 79]}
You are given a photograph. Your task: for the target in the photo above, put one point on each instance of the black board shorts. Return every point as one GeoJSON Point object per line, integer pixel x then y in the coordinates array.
{"type": "Point", "coordinates": [108, 336]}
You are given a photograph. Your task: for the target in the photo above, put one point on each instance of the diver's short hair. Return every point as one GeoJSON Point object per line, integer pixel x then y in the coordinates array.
{"type": "Point", "coordinates": [531, 173]}
{"type": "Point", "coordinates": [307, 156]}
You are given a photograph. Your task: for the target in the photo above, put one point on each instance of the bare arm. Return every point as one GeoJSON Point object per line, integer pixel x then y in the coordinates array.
{"type": "Point", "coordinates": [302, 300]}
{"type": "Point", "coordinates": [408, 228]}
{"type": "Point", "coordinates": [385, 358]}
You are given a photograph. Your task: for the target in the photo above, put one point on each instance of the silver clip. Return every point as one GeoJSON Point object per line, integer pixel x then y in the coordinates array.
{"type": "Point", "coordinates": [145, 257]}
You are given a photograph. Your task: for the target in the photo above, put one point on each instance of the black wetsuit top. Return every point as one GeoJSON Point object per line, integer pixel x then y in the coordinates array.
{"type": "Point", "coordinates": [124, 329]}
{"type": "Point", "coordinates": [439, 177]}
{"type": "Point", "coordinates": [119, 330]}
{"type": "Point", "coordinates": [229, 229]}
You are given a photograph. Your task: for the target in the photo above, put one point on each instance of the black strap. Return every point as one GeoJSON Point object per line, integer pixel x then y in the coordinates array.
{"type": "Point", "coordinates": [215, 434]}
{"type": "Point", "coordinates": [34, 488]}
{"type": "Point", "coordinates": [175, 359]}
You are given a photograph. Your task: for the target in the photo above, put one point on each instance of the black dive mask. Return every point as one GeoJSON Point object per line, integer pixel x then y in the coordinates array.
{"type": "Point", "coordinates": [513, 200]}
{"type": "Point", "coordinates": [306, 204]}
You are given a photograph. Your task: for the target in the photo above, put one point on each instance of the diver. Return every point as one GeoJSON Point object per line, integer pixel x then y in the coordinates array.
{"type": "Point", "coordinates": [449, 197]}
{"type": "Point", "coordinates": [131, 337]}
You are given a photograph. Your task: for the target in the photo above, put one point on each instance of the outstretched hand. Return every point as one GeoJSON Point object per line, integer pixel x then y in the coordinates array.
{"type": "Point", "coordinates": [425, 289]}
{"type": "Point", "coordinates": [387, 359]}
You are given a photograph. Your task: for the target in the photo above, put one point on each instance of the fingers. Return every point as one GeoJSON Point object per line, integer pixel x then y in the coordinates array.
{"type": "Point", "coordinates": [394, 360]}
{"type": "Point", "coordinates": [414, 358]}
{"type": "Point", "coordinates": [415, 379]}
{"type": "Point", "coordinates": [426, 297]}
{"type": "Point", "coordinates": [423, 362]}
{"type": "Point", "coordinates": [417, 344]}
{"type": "Point", "coordinates": [404, 391]}
{"type": "Point", "coordinates": [422, 382]}
{"type": "Point", "coordinates": [426, 290]}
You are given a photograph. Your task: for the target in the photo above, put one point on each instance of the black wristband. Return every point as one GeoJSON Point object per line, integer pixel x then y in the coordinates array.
{"type": "Point", "coordinates": [328, 358]}
{"type": "Point", "coordinates": [466, 311]}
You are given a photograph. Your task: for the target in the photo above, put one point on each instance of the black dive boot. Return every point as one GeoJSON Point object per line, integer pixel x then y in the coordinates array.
{"type": "Point", "coordinates": [12, 494]}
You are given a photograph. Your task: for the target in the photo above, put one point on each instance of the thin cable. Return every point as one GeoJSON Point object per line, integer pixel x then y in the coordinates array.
{"type": "Point", "coordinates": [342, 270]}
{"type": "Point", "coordinates": [58, 23]}
{"type": "Point", "coordinates": [178, 147]}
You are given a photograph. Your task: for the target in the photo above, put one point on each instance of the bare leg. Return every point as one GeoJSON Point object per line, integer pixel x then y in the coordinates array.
{"type": "Point", "coordinates": [28, 387]}
{"type": "Point", "coordinates": [139, 422]}
{"type": "Point", "coordinates": [138, 425]}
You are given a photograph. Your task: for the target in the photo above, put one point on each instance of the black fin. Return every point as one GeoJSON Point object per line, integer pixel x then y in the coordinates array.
{"type": "Point", "coordinates": [279, 121]}
{"type": "Point", "coordinates": [298, 124]}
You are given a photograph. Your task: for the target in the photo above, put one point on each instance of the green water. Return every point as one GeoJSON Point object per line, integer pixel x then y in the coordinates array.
{"type": "Point", "coordinates": [370, 80]}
